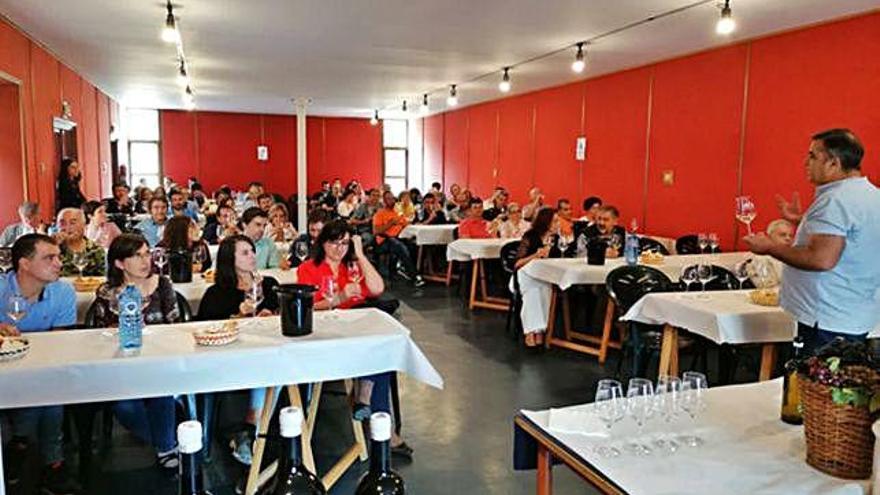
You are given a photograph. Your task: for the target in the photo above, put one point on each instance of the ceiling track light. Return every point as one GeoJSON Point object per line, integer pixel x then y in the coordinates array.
{"type": "Point", "coordinates": [425, 103]}
{"type": "Point", "coordinates": [403, 107]}
{"type": "Point", "coordinates": [375, 119]}
{"type": "Point", "coordinates": [504, 85]}
{"type": "Point", "coordinates": [452, 99]}
{"type": "Point", "coordinates": [182, 76]}
{"type": "Point", "coordinates": [579, 63]}
{"type": "Point", "coordinates": [726, 24]}
{"type": "Point", "coordinates": [169, 32]}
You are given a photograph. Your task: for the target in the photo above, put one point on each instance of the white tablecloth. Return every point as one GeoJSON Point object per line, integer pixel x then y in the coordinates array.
{"type": "Point", "coordinates": [429, 235]}
{"type": "Point", "coordinates": [192, 291]}
{"type": "Point", "coordinates": [84, 366]}
{"type": "Point", "coordinates": [747, 450]}
{"type": "Point", "coordinates": [473, 249]}
{"type": "Point", "coordinates": [723, 317]}
{"type": "Point", "coordinates": [565, 272]}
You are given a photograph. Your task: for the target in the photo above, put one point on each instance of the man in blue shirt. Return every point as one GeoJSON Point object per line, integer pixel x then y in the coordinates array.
{"type": "Point", "coordinates": [181, 207]}
{"type": "Point", "coordinates": [831, 278]}
{"type": "Point", "coordinates": [154, 227]}
{"type": "Point", "coordinates": [36, 261]}
{"type": "Point", "coordinates": [253, 224]}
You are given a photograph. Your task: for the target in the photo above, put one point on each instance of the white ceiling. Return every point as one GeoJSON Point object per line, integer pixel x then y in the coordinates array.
{"type": "Point", "coordinates": [351, 56]}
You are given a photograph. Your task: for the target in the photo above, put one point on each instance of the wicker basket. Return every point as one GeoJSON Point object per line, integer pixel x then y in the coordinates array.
{"type": "Point", "coordinates": [839, 438]}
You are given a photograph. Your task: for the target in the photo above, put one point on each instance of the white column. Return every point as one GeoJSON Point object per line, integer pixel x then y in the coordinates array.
{"type": "Point", "coordinates": [301, 169]}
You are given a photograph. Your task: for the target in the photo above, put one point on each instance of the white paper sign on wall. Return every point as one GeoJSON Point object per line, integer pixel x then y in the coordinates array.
{"type": "Point", "coordinates": [580, 153]}
{"type": "Point", "coordinates": [262, 153]}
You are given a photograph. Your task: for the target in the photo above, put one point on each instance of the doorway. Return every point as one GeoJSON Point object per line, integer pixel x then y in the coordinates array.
{"type": "Point", "coordinates": [13, 187]}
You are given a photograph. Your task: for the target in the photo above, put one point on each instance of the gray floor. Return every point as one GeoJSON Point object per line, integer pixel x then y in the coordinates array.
{"type": "Point", "coordinates": [462, 435]}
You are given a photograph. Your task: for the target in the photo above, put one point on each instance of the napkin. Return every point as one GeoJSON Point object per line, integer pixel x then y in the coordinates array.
{"type": "Point", "coordinates": [579, 420]}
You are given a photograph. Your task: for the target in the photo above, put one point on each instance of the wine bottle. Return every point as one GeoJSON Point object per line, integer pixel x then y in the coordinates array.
{"type": "Point", "coordinates": [293, 478]}
{"type": "Point", "coordinates": [791, 397]}
{"type": "Point", "coordinates": [189, 443]}
{"type": "Point", "coordinates": [380, 480]}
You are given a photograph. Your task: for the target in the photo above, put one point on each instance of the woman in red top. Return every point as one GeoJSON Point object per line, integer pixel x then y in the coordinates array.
{"type": "Point", "coordinates": [345, 278]}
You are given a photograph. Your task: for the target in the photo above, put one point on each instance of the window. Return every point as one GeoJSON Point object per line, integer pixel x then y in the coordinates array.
{"type": "Point", "coordinates": [395, 154]}
{"type": "Point", "coordinates": [142, 129]}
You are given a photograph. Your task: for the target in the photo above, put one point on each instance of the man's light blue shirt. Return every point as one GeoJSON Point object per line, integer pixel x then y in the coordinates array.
{"type": "Point", "coordinates": [151, 231]}
{"type": "Point", "coordinates": [55, 307]}
{"type": "Point", "coordinates": [846, 298]}
{"type": "Point", "coordinates": [267, 254]}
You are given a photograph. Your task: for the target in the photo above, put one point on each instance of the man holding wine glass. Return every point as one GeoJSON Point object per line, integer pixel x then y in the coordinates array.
{"type": "Point", "coordinates": [831, 277]}
{"type": "Point", "coordinates": [49, 304]}
{"type": "Point", "coordinates": [79, 255]}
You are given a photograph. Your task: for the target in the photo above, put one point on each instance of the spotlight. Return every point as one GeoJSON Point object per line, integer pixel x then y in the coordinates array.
{"type": "Point", "coordinates": [504, 85]}
{"type": "Point", "coordinates": [726, 24]}
{"type": "Point", "coordinates": [579, 63]}
{"type": "Point", "coordinates": [452, 99]}
{"type": "Point", "coordinates": [170, 33]}
{"type": "Point", "coordinates": [425, 108]}
{"type": "Point", "coordinates": [375, 119]}
{"type": "Point", "coordinates": [182, 76]}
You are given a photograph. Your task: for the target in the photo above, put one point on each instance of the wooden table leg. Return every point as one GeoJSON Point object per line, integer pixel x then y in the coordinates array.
{"type": "Point", "coordinates": [768, 361]}
{"type": "Point", "coordinates": [545, 471]}
{"type": "Point", "coordinates": [449, 273]}
{"type": "Point", "coordinates": [419, 260]}
{"type": "Point", "coordinates": [483, 293]}
{"type": "Point", "coordinates": [551, 318]}
{"type": "Point", "coordinates": [669, 352]}
{"type": "Point", "coordinates": [260, 442]}
{"type": "Point", "coordinates": [610, 307]}
{"type": "Point", "coordinates": [566, 315]}
{"type": "Point", "coordinates": [475, 273]}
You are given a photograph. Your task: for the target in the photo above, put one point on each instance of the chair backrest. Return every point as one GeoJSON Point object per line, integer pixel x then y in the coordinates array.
{"type": "Point", "coordinates": [687, 244]}
{"type": "Point", "coordinates": [648, 244]}
{"type": "Point", "coordinates": [627, 284]}
{"type": "Point", "coordinates": [724, 279]}
{"type": "Point", "coordinates": [455, 233]}
{"type": "Point", "coordinates": [508, 256]}
{"type": "Point", "coordinates": [89, 320]}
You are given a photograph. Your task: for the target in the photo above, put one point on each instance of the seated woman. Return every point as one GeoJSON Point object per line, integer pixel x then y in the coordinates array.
{"type": "Point", "coordinates": [536, 243]}
{"type": "Point", "coordinates": [405, 206]}
{"type": "Point", "coordinates": [77, 251]}
{"type": "Point", "coordinates": [235, 276]}
{"type": "Point", "coordinates": [152, 420]}
{"type": "Point", "coordinates": [339, 257]}
{"type": "Point", "coordinates": [181, 233]}
{"type": "Point", "coordinates": [100, 229]}
{"type": "Point", "coordinates": [515, 226]}
{"type": "Point", "coordinates": [279, 228]}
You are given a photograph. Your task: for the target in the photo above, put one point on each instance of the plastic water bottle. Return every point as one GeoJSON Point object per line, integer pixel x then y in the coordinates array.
{"type": "Point", "coordinates": [131, 321]}
{"type": "Point", "coordinates": [631, 249]}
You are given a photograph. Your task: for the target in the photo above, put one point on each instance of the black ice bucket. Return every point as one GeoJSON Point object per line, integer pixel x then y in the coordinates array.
{"type": "Point", "coordinates": [596, 251]}
{"type": "Point", "coordinates": [296, 302]}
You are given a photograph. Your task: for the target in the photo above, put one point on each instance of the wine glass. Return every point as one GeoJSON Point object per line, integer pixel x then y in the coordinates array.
{"type": "Point", "coordinates": [713, 242]}
{"type": "Point", "coordinates": [16, 308]}
{"type": "Point", "coordinates": [160, 259]}
{"type": "Point", "coordinates": [562, 243]}
{"type": "Point", "coordinates": [741, 272]}
{"type": "Point", "coordinates": [614, 242]}
{"type": "Point", "coordinates": [254, 295]}
{"type": "Point", "coordinates": [640, 405]}
{"type": "Point", "coordinates": [610, 408]}
{"type": "Point", "coordinates": [693, 400]}
{"type": "Point", "coordinates": [705, 275]}
{"type": "Point", "coordinates": [301, 251]}
{"type": "Point", "coordinates": [667, 395]}
{"type": "Point", "coordinates": [329, 290]}
{"type": "Point", "coordinates": [688, 277]}
{"type": "Point", "coordinates": [355, 275]}
{"type": "Point", "coordinates": [746, 211]}
{"type": "Point", "coordinates": [198, 259]}
{"type": "Point", "coordinates": [703, 242]}
{"type": "Point", "coordinates": [80, 261]}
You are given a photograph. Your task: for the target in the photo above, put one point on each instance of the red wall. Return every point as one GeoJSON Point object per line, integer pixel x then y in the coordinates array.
{"type": "Point", "coordinates": [10, 153]}
{"type": "Point", "coordinates": [44, 82]}
{"type": "Point", "coordinates": [684, 115]}
{"type": "Point", "coordinates": [221, 148]}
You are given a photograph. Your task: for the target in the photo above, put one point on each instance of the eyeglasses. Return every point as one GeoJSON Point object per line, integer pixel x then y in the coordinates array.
{"type": "Point", "coordinates": [341, 243]}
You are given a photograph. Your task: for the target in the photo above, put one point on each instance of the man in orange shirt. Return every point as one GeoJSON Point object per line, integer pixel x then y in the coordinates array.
{"type": "Point", "coordinates": [475, 226]}
{"type": "Point", "coordinates": [387, 225]}
{"type": "Point", "coordinates": [566, 222]}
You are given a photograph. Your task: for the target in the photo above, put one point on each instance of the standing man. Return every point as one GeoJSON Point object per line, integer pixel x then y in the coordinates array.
{"type": "Point", "coordinates": [831, 277]}
{"type": "Point", "coordinates": [36, 266]}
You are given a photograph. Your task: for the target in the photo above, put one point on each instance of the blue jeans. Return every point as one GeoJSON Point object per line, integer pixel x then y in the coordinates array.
{"type": "Point", "coordinates": [815, 337]}
{"type": "Point", "coordinates": [151, 420]}
{"type": "Point", "coordinates": [380, 400]}
{"type": "Point", "coordinates": [40, 426]}
{"type": "Point", "coordinates": [398, 249]}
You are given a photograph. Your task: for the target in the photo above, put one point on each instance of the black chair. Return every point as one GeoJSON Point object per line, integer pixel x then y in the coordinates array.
{"type": "Point", "coordinates": [723, 279]}
{"type": "Point", "coordinates": [649, 244]}
{"type": "Point", "coordinates": [509, 258]}
{"type": "Point", "coordinates": [687, 244]}
{"type": "Point", "coordinates": [626, 285]}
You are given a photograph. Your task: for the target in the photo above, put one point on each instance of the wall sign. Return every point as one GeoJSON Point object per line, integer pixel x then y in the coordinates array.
{"type": "Point", "coordinates": [263, 153]}
{"type": "Point", "coordinates": [580, 153]}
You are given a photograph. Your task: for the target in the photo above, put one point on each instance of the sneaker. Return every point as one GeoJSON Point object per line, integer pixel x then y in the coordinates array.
{"type": "Point", "coordinates": [56, 481]}
{"type": "Point", "coordinates": [402, 450]}
{"type": "Point", "coordinates": [241, 485]}
{"type": "Point", "coordinates": [418, 281]}
{"type": "Point", "coordinates": [361, 412]}
{"type": "Point", "coordinates": [168, 460]}
{"type": "Point", "coordinates": [241, 445]}
{"type": "Point", "coordinates": [403, 274]}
